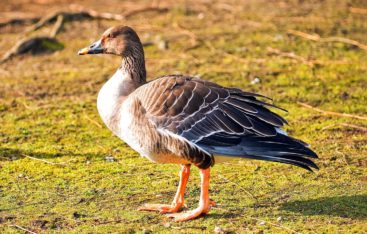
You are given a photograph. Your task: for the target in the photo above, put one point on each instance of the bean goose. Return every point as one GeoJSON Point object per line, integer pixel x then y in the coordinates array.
{"type": "Point", "coordinates": [188, 121]}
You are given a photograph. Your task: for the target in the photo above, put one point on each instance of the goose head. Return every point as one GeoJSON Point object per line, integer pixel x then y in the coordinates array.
{"type": "Point", "coordinates": [118, 40]}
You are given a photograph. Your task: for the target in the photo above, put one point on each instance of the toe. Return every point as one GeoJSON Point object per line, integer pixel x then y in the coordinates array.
{"type": "Point", "coordinates": [168, 210]}
{"type": "Point", "coordinates": [152, 207]}
{"type": "Point", "coordinates": [181, 217]}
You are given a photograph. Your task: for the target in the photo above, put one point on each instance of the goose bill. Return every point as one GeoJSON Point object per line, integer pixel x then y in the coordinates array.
{"type": "Point", "coordinates": [95, 48]}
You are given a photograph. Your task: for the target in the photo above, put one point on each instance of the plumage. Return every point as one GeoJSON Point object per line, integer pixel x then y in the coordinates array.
{"type": "Point", "coordinates": [186, 120]}
{"type": "Point", "coordinates": [243, 106]}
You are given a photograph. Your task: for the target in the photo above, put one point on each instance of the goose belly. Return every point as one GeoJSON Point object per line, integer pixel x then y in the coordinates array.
{"type": "Point", "coordinates": [129, 134]}
{"type": "Point", "coordinates": [166, 158]}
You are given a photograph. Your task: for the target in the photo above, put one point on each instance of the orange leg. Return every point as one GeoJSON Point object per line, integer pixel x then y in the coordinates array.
{"type": "Point", "coordinates": [178, 200]}
{"type": "Point", "coordinates": [204, 204]}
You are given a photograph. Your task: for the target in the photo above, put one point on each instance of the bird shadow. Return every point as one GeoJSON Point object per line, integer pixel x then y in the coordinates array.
{"type": "Point", "coordinates": [10, 154]}
{"type": "Point", "coordinates": [353, 207]}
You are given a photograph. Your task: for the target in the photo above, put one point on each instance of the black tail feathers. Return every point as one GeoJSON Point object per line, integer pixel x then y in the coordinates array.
{"type": "Point", "coordinates": [280, 148]}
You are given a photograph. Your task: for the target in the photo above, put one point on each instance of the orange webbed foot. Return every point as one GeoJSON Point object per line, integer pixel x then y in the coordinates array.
{"type": "Point", "coordinates": [178, 201]}
{"type": "Point", "coordinates": [192, 214]}
{"type": "Point", "coordinates": [204, 205]}
{"type": "Point", "coordinates": [162, 208]}
{"type": "Point", "coordinates": [188, 215]}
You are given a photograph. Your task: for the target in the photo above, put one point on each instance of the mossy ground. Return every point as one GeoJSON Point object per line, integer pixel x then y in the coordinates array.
{"type": "Point", "coordinates": [48, 112]}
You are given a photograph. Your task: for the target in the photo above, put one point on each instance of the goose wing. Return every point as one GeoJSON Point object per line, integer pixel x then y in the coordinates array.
{"type": "Point", "coordinates": [197, 110]}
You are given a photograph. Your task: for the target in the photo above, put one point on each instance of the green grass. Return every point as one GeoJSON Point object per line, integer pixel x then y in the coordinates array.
{"type": "Point", "coordinates": [48, 112]}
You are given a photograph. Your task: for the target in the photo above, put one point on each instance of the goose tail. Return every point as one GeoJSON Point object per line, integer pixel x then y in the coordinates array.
{"type": "Point", "coordinates": [279, 148]}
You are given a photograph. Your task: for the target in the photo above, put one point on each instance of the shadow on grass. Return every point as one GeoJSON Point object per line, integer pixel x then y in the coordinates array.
{"type": "Point", "coordinates": [9, 154]}
{"type": "Point", "coordinates": [354, 207]}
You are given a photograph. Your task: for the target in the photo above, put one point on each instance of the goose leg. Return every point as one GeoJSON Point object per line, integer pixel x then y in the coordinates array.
{"type": "Point", "coordinates": [178, 200]}
{"type": "Point", "coordinates": [204, 204]}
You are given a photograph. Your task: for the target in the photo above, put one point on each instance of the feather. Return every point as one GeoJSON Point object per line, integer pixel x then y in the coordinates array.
{"type": "Point", "coordinates": [230, 124]}
{"type": "Point", "coordinates": [223, 121]}
{"type": "Point", "coordinates": [236, 116]}
{"type": "Point", "coordinates": [279, 148]}
{"type": "Point", "coordinates": [257, 102]}
{"type": "Point", "coordinates": [262, 128]}
{"type": "Point", "coordinates": [242, 105]}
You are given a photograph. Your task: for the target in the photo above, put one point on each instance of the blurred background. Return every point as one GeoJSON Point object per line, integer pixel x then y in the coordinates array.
{"type": "Point", "coordinates": [62, 170]}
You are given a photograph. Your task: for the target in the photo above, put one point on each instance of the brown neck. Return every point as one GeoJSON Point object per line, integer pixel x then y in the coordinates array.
{"type": "Point", "coordinates": [134, 72]}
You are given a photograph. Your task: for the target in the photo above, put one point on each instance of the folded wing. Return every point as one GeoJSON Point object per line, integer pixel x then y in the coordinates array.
{"type": "Point", "coordinates": [220, 120]}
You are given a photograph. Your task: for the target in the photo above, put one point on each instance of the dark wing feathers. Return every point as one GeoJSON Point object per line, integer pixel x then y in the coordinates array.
{"type": "Point", "coordinates": [228, 124]}
{"type": "Point", "coordinates": [279, 148]}
{"type": "Point", "coordinates": [247, 94]}
{"type": "Point", "coordinates": [242, 105]}
{"type": "Point", "coordinates": [236, 115]}
{"type": "Point", "coordinates": [262, 128]}
{"type": "Point", "coordinates": [255, 101]}
{"type": "Point", "coordinates": [209, 115]}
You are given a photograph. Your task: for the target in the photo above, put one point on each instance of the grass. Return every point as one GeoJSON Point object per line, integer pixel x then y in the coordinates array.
{"type": "Point", "coordinates": [48, 112]}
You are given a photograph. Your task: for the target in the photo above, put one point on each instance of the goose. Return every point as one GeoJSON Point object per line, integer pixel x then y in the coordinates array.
{"type": "Point", "coordinates": [188, 121]}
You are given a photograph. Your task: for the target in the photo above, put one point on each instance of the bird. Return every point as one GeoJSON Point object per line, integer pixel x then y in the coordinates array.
{"type": "Point", "coordinates": [188, 121]}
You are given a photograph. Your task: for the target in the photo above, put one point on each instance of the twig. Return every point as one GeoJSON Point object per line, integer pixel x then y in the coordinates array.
{"type": "Point", "coordinates": [45, 161]}
{"type": "Point", "coordinates": [83, 13]}
{"type": "Point", "coordinates": [34, 108]}
{"type": "Point", "coordinates": [356, 10]}
{"type": "Point", "coordinates": [43, 21]}
{"type": "Point", "coordinates": [55, 30]}
{"type": "Point", "coordinates": [332, 112]}
{"type": "Point", "coordinates": [22, 228]}
{"type": "Point", "coordinates": [145, 9]}
{"type": "Point", "coordinates": [354, 126]}
{"type": "Point", "coordinates": [313, 37]}
{"type": "Point", "coordinates": [26, 106]}
{"type": "Point", "coordinates": [316, 37]}
{"type": "Point", "coordinates": [53, 16]}
{"type": "Point", "coordinates": [291, 55]}
{"type": "Point", "coordinates": [93, 121]}
{"type": "Point", "coordinates": [112, 16]}
{"type": "Point", "coordinates": [301, 59]}
{"type": "Point", "coordinates": [274, 224]}
{"type": "Point", "coordinates": [346, 41]}
{"type": "Point", "coordinates": [34, 44]}
{"type": "Point", "coordinates": [363, 129]}
{"type": "Point", "coordinates": [328, 126]}
{"type": "Point", "coordinates": [19, 21]}
{"type": "Point", "coordinates": [25, 45]}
